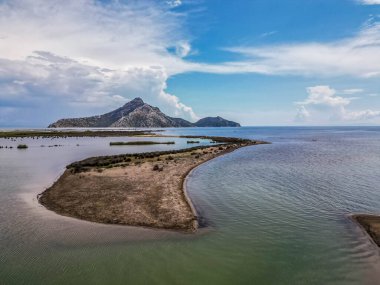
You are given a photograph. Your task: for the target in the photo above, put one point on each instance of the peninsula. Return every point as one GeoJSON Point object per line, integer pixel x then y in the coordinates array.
{"type": "Point", "coordinates": [143, 189]}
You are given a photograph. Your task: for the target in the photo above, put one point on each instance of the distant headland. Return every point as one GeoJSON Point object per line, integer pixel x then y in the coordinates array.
{"type": "Point", "coordinates": [138, 114]}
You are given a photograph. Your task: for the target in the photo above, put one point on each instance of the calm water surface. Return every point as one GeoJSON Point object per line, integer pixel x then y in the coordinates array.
{"type": "Point", "coordinates": [277, 214]}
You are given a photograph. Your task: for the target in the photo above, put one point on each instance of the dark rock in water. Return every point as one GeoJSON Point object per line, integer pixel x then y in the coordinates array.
{"type": "Point", "coordinates": [137, 114]}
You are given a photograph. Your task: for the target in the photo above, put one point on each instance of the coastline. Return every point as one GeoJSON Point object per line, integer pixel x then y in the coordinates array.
{"type": "Point", "coordinates": [53, 133]}
{"type": "Point", "coordinates": [137, 194]}
{"type": "Point", "coordinates": [188, 174]}
{"type": "Point", "coordinates": [370, 224]}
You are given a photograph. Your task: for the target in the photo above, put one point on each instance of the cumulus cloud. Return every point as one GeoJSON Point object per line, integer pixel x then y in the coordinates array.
{"type": "Point", "coordinates": [45, 76]}
{"type": "Point", "coordinates": [362, 115]}
{"type": "Point", "coordinates": [323, 105]}
{"type": "Point", "coordinates": [323, 95]}
{"type": "Point", "coordinates": [302, 114]}
{"type": "Point", "coordinates": [370, 2]}
{"type": "Point", "coordinates": [90, 54]}
{"type": "Point", "coordinates": [183, 49]}
{"type": "Point", "coordinates": [174, 3]}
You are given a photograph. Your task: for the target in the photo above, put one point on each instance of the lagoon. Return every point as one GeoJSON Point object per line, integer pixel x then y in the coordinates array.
{"type": "Point", "coordinates": [275, 214]}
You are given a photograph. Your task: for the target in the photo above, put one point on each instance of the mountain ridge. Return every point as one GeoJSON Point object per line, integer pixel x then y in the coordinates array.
{"type": "Point", "coordinates": [138, 114]}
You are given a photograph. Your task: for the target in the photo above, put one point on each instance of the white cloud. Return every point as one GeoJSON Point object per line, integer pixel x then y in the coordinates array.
{"type": "Point", "coordinates": [111, 35]}
{"type": "Point", "coordinates": [174, 3]}
{"type": "Point", "coordinates": [352, 91]}
{"type": "Point", "coordinates": [268, 34]}
{"type": "Point", "coordinates": [48, 77]}
{"type": "Point", "coordinates": [302, 114]}
{"type": "Point", "coordinates": [361, 115]}
{"type": "Point", "coordinates": [183, 49]}
{"type": "Point", "coordinates": [370, 2]}
{"type": "Point", "coordinates": [323, 95]}
{"type": "Point", "coordinates": [357, 56]}
{"type": "Point", "coordinates": [323, 106]}
{"type": "Point", "coordinates": [88, 54]}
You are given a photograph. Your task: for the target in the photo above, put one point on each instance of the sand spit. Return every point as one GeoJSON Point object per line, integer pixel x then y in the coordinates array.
{"type": "Point", "coordinates": [145, 189]}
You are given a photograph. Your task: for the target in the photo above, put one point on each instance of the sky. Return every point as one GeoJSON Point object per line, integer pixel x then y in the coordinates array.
{"type": "Point", "coordinates": [257, 62]}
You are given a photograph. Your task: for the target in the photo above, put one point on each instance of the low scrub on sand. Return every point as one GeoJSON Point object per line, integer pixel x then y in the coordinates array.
{"type": "Point", "coordinates": [139, 143]}
{"type": "Point", "coordinates": [114, 160]}
{"type": "Point", "coordinates": [192, 142]}
{"type": "Point", "coordinates": [76, 133]}
{"type": "Point", "coordinates": [22, 146]}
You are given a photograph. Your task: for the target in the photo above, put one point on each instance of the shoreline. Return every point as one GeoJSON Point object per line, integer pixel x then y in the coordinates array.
{"type": "Point", "coordinates": [188, 174]}
{"type": "Point", "coordinates": [370, 224]}
{"type": "Point", "coordinates": [74, 133]}
{"type": "Point", "coordinates": [150, 190]}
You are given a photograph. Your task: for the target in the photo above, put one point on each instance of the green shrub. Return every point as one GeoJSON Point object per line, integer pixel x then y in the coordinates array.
{"type": "Point", "coordinates": [139, 143]}
{"type": "Point", "coordinates": [22, 146]}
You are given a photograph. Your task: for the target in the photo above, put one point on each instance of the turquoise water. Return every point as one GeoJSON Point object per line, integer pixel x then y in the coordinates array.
{"type": "Point", "coordinates": [276, 214]}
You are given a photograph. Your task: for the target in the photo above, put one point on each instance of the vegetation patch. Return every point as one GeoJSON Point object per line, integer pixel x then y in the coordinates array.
{"type": "Point", "coordinates": [78, 133]}
{"type": "Point", "coordinates": [107, 161]}
{"type": "Point", "coordinates": [22, 146]}
{"type": "Point", "coordinates": [139, 143]}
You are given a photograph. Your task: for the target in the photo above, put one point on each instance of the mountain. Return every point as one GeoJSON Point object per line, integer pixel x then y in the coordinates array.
{"type": "Point", "coordinates": [137, 114]}
{"type": "Point", "coordinates": [215, 122]}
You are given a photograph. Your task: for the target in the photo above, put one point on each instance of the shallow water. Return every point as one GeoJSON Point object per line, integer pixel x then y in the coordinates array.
{"type": "Point", "coordinates": [277, 214]}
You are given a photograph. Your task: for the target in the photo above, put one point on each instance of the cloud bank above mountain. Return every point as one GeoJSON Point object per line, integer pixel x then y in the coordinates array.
{"type": "Point", "coordinates": [87, 55]}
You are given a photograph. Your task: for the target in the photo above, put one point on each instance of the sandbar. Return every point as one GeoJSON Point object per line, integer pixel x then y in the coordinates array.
{"type": "Point", "coordinates": [144, 189]}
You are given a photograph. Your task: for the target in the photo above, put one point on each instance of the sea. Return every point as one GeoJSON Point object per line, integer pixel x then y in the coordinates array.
{"type": "Point", "coordinates": [275, 213]}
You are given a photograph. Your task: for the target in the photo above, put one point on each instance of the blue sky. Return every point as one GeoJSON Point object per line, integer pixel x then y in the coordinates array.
{"type": "Point", "coordinates": [290, 62]}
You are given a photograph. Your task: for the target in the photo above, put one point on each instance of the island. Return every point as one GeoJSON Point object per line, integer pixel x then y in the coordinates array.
{"type": "Point", "coordinates": [138, 114]}
{"type": "Point", "coordinates": [142, 189]}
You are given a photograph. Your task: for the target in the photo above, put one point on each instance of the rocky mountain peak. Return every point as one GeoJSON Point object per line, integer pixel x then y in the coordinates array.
{"type": "Point", "coordinates": [137, 102]}
{"type": "Point", "coordinates": [136, 113]}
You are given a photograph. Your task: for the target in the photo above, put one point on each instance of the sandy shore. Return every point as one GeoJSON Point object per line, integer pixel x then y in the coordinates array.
{"type": "Point", "coordinates": [133, 189]}
{"type": "Point", "coordinates": [371, 224]}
